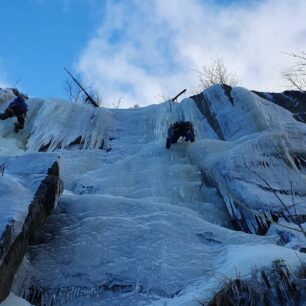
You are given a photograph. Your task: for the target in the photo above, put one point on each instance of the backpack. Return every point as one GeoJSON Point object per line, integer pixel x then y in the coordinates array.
{"type": "Point", "coordinates": [20, 105]}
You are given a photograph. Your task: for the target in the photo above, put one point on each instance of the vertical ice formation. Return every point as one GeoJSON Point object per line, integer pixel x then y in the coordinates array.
{"type": "Point", "coordinates": [260, 168]}
{"type": "Point", "coordinates": [137, 225]}
{"type": "Point", "coordinates": [58, 125]}
{"type": "Point", "coordinates": [53, 124]}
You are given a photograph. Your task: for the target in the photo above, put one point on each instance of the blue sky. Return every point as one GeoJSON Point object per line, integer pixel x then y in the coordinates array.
{"type": "Point", "coordinates": [42, 37]}
{"type": "Point", "coordinates": [141, 51]}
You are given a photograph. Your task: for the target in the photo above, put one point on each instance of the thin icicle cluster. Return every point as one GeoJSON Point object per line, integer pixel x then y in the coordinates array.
{"type": "Point", "coordinates": [57, 124]}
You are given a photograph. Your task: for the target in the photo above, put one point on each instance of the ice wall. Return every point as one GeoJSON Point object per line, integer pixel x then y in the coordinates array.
{"type": "Point", "coordinates": [258, 163]}
{"type": "Point", "coordinates": [53, 124]}
{"type": "Point", "coordinates": [141, 224]}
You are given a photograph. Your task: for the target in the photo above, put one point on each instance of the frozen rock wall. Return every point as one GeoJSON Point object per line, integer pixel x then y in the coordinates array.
{"type": "Point", "coordinates": [139, 224]}
{"type": "Point", "coordinates": [258, 163]}
{"type": "Point", "coordinates": [14, 245]}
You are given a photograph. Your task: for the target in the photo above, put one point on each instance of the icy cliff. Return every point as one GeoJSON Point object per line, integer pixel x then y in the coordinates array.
{"type": "Point", "coordinates": [139, 225]}
{"type": "Point", "coordinates": [29, 187]}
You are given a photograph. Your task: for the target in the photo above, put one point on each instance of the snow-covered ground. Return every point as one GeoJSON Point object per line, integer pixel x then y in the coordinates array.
{"type": "Point", "coordinates": [141, 225]}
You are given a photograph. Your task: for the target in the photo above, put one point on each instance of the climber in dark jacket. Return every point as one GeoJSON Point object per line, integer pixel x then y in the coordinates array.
{"type": "Point", "coordinates": [179, 129]}
{"type": "Point", "coordinates": [17, 108]}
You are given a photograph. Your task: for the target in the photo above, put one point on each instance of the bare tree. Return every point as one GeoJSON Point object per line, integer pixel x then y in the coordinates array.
{"type": "Point", "coordinates": [296, 74]}
{"type": "Point", "coordinates": [162, 98]}
{"type": "Point", "coordinates": [80, 93]}
{"type": "Point", "coordinates": [73, 92]}
{"type": "Point", "coordinates": [95, 95]}
{"type": "Point", "coordinates": [118, 103]}
{"type": "Point", "coordinates": [215, 73]}
{"type": "Point", "coordinates": [16, 83]}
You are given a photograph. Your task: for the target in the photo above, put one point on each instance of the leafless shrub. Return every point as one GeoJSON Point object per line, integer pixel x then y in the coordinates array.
{"type": "Point", "coordinates": [215, 73]}
{"type": "Point", "coordinates": [296, 74]}
{"type": "Point", "coordinates": [162, 98]}
{"type": "Point", "coordinates": [16, 83]}
{"type": "Point", "coordinates": [118, 103]}
{"type": "Point", "coordinates": [73, 91]}
{"type": "Point", "coordinates": [96, 96]}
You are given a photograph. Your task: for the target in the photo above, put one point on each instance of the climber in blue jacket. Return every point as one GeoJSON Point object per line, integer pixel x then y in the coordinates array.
{"type": "Point", "coordinates": [17, 108]}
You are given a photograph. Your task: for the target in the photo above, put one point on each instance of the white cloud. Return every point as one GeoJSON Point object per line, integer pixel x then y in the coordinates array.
{"type": "Point", "coordinates": [147, 48]}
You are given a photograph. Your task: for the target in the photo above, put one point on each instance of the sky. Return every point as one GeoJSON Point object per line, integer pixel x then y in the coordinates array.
{"type": "Point", "coordinates": [142, 51]}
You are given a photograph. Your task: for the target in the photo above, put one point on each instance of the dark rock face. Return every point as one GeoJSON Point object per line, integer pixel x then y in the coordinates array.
{"type": "Point", "coordinates": [204, 105]}
{"type": "Point", "coordinates": [294, 101]}
{"type": "Point", "coordinates": [12, 252]}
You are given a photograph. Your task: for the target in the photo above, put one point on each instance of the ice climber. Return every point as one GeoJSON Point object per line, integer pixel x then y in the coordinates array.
{"type": "Point", "coordinates": [179, 129]}
{"type": "Point", "coordinates": [17, 108]}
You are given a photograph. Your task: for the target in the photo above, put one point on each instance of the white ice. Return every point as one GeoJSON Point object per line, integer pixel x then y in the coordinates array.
{"type": "Point", "coordinates": [136, 224]}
